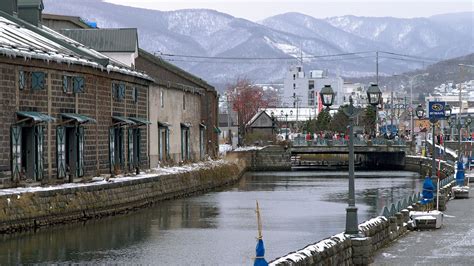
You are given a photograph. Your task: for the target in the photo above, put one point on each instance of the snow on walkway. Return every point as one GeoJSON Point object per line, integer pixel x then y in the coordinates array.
{"type": "Point", "coordinates": [97, 181]}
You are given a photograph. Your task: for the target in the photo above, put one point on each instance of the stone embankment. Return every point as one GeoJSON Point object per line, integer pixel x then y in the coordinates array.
{"type": "Point", "coordinates": [20, 210]}
{"type": "Point", "coordinates": [344, 249]}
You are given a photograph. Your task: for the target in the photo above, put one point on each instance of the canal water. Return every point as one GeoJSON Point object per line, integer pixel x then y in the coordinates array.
{"type": "Point", "coordinates": [217, 228]}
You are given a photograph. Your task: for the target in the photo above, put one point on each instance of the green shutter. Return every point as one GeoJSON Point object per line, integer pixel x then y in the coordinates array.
{"type": "Point", "coordinates": [65, 83]}
{"type": "Point", "coordinates": [131, 163]}
{"type": "Point", "coordinates": [138, 145]}
{"type": "Point", "coordinates": [61, 151]}
{"type": "Point", "coordinates": [15, 143]}
{"type": "Point", "coordinates": [201, 142]}
{"type": "Point", "coordinates": [39, 138]}
{"type": "Point", "coordinates": [167, 143]}
{"type": "Point", "coordinates": [160, 143]}
{"type": "Point", "coordinates": [21, 80]}
{"type": "Point", "coordinates": [78, 84]}
{"type": "Point", "coordinates": [121, 152]}
{"type": "Point", "coordinates": [112, 149]}
{"type": "Point", "coordinates": [188, 145]}
{"type": "Point", "coordinates": [121, 91]}
{"type": "Point", "coordinates": [80, 152]}
{"type": "Point", "coordinates": [37, 80]}
{"type": "Point", "coordinates": [114, 91]}
{"type": "Point", "coordinates": [134, 94]}
{"type": "Point", "coordinates": [182, 144]}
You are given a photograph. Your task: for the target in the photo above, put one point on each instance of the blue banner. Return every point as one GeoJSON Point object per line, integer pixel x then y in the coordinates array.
{"type": "Point", "coordinates": [436, 110]}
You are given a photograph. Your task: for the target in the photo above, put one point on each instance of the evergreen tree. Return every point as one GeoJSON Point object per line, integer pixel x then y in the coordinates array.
{"type": "Point", "coordinates": [369, 120]}
{"type": "Point", "coordinates": [339, 122]}
{"type": "Point", "coordinates": [323, 120]}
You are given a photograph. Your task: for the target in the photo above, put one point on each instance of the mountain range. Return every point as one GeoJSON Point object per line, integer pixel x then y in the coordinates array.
{"type": "Point", "coordinates": [218, 41]}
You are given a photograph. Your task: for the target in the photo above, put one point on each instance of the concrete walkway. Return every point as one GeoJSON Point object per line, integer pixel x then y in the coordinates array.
{"type": "Point", "coordinates": [452, 244]}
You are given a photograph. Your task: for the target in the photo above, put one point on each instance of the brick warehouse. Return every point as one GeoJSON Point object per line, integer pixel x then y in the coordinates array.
{"type": "Point", "coordinates": [182, 107]}
{"type": "Point", "coordinates": [66, 110]}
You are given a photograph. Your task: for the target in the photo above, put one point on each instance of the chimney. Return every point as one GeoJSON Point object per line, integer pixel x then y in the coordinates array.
{"type": "Point", "coordinates": [31, 11]}
{"type": "Point", "coordinates": [9, 6]}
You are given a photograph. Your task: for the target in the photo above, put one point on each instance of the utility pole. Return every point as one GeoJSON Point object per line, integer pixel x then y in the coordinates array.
{"type": "Point", "coordinates": [229, 132]}
{"type": "Point", "coordinates": [391, 110]}
{"type": "Point", "coordinates": [377, 66]}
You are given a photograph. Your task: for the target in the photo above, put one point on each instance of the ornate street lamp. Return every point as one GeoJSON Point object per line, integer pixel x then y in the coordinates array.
{"type": "Point", "coordinates": [374, 94]}
{"type": "Point", "coordinates": [447, 111]}
{"type": "Point", "coordinates": [327, 96]}
{"type": "Point", "coordinates": [420, 112]}
{"type": "Point", "coordinates": [352, 224]}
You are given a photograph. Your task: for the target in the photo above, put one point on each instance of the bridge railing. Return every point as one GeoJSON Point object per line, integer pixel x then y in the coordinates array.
{"type": "Point", "coordinates": [301, 141]}
{"type": "Point", "coordinates": [401, 204]}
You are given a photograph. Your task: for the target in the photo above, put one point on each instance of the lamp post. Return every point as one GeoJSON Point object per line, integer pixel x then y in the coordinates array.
{"type": "Point", "coordinates": [286, 122]}
{"type": "Point", "coordinates": [447, 115]}
{"type": "Point", "coordinates": [374, 94]}
{"type": "Point", "coordinates": [420, 113]}
{"type": "Point", "coordinates": [273, 122]}
{"type": "Point", "coordinates": [411, 79]}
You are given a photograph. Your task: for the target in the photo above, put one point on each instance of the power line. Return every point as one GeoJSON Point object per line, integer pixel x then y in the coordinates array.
{"type": "Point", "coordinates": [266, 62]}
{"type": "Point", "coordinates": [261, 58]}
{"type": "Point", "coordinates": [412, 56]}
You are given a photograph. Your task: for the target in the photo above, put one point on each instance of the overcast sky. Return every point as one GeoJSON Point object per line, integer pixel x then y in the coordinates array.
{"type": "Point", "coordinates": [260, 9]}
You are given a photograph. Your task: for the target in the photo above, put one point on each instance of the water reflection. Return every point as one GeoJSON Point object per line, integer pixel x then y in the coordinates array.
{"type": "Point", "coordinates": [298, 208]}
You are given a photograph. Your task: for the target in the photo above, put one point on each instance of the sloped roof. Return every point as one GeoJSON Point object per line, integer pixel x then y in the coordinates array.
{"type": "Point", "coordinates": [106, 40]}
{"type": "Point", "coordinates": [178, 71]}
{"type": "Point", "coordinates": [78, 21]}
{"type": "Point", "coordinates": [256, 116]}
{"type": "Point", "coordinates": [21, 39]}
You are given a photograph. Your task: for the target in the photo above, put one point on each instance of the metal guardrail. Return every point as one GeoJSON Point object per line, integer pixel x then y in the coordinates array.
{"type": "Point", "coordinates": [393, 208]}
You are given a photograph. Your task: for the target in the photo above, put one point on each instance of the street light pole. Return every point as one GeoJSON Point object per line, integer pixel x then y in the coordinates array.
{"type": "Point", "coordinates": [351, 210]}
{"type": "Point", "coordinates": [411, 81]}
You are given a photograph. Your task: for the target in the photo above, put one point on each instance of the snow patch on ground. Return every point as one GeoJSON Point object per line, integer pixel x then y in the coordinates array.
{"type": "Point", "coordinates": [249, 148]}
{"type": "Point", "coordinates": [99, 180]}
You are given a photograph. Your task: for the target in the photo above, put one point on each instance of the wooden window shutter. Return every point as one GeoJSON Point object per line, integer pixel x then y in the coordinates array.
{"type": "Point", "coordinates": [37, 80]}
{"type": "Point", "coordinates": [21, 80]}
{"type": "Point", "coordinates": [112, 149]}
{"type": "Point", "coordinates": [78, 84]}
{"type": "Point", "coordinates": [130, 149]}
{"type": "Point", "coordinates": [39, 163]}
{"type": "Point", "coordinates": [61, 151]}
{"type": "Point", "coordinates": [80, 151]}
{"type": "Point", "coordinates": [15, 144]}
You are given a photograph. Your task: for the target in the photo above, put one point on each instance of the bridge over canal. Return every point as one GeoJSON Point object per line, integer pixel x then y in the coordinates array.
{"type": "Point", "coordinates": [324, 153]}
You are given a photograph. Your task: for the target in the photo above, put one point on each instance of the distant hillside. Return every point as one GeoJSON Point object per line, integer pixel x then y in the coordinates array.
{"type": "Point", "coordinates": [441, 72]}
{"type": "Point", "coordinates": [208, 33]}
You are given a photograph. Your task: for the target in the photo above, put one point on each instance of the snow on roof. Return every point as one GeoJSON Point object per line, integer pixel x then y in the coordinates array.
{"type": "Point", "coordinates": [256, 116]}
{"type": "Point", "coordinates": [16, 40]}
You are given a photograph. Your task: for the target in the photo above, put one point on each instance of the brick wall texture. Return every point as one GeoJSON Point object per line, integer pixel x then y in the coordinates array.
{"type": "Point", "coordinates": [96, 102]}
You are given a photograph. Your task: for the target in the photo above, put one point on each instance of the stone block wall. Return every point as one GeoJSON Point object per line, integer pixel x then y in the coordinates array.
{"type": "Point", "coordinates": [69, 204]}
{"type": "Point", "coordinates": [344, 249]}
{"type": "Point", "coordinates": [271, 158]}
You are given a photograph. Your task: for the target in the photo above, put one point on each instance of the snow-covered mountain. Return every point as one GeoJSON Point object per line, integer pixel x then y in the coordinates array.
{"type": "Point", "coordinates": [209, 33]}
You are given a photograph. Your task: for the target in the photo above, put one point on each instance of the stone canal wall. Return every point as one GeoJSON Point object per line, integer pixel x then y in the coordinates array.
{"type": "Point", "coordinates": [20, 211]}
{"type": "Point", "coordinates": [422, 165]}
{"type": "Point", "coordinates": [343, 249]}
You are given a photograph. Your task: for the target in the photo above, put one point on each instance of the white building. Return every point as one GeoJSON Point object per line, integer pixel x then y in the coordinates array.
{"type": "Point", "coordinates": [301, 89]}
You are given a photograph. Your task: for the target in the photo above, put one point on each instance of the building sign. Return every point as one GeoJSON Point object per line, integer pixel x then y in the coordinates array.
{"type": "Point", "coordinates": [436, 110]}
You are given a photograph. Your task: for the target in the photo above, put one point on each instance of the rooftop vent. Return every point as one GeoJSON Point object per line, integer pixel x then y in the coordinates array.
{"type": "Point", "coordinates": [30, 11]}
{"type": "Point", "coordinates": [9, 6]}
